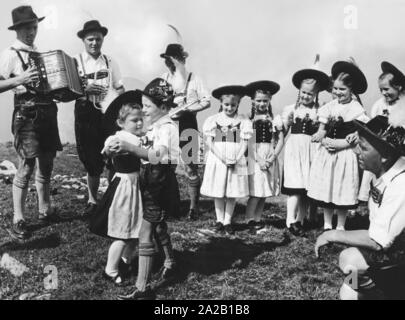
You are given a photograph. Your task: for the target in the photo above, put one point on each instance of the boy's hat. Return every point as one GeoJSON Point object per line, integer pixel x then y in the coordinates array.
{"type": "Point", "coordinates": [232, 89]}
{"type": "Point", "coordinates": [23, 15]}
{"type": "Point", "coordinates": [359, 79]}
{"type": "Point", "coordinates": [386, 137]}
{"type": "Point", "coordinates": [312, 73]}
{"type": "Point", "coordinates": [92, 25]}
{"type": "Point", "coordinates": [265, 85]}
{"type": "Point", "coordinates": [161, 91]}
{"type": "Point", "coordinates": [111, 115]}
{"type": "Point", "coordinates": [175, 50]}
{"type": "Point", "coordinates": [387, 67]}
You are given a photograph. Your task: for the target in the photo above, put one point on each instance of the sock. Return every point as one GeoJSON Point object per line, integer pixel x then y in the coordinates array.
{"type": "Point", "coordinates": [166, 244]}
{"type": "Point", "coordinates": [146, 252]}
{"type": "Point", "coordinates": [114, 256]}
{"type": "Point", "coordinates": [342, 214]}
{"type": "Point", "coordinates": [292, 207]}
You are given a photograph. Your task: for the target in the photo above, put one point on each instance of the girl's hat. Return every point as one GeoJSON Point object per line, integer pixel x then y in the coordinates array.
{"type": "Point", "coordinates": [265, 85]}
{"type": "Point", "coordinates": [233, 89]}
{"type": "Point", "coordinates": [111, 115]}
{"type": "Point", "coordinates": [161, 91]}
{"type": "Point", "coordinates": [387, 67]}
{"type": "Point", "coordinates": [359, 79]}
{"type": "Point", "coordinates": [386, 138]}
{"type": "Point", "coordinates": [312, 73]}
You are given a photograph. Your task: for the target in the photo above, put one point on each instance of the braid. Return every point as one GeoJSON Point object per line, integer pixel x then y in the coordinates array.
{"type": "Point", "coordinates": [317, 101]}
{"type": "Point", "coordinates": [270, 110]}
{"type": "Point", "coordinates": [297, 103]}
{"type": "Point", "coordinates": [358, 99]}
{"type": "Point", "coordinates": [252, 112]}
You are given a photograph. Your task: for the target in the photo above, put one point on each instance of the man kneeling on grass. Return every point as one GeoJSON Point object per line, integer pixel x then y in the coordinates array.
{"type": "Point", "coordinates": [381, 150]}
{"type": "Point", "coordinates": [159, 186]}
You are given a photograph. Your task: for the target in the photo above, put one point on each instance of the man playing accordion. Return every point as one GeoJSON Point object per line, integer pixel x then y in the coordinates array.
{"type": "Point", "coordinates": [34, 123]}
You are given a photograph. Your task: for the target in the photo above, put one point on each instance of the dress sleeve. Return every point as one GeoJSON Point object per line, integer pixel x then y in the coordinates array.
{"type": "Point", "coordinates": [325, 112]}
{"type": "Point", "coordinates": [209, 127]}
{"type": "Point", "coordinates": [277, 123]}
{"type": "Point", "coordinates": [285, 116]}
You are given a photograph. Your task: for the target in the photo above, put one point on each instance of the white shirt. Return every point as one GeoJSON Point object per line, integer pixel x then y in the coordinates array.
{"type": "Point", "coordinates": [10, 63]}
{"type": "Point", "coordinates": [92, 65]}
{"type": "Point", "coordinates": [165, 132]}
{"type": "Point", "coordinates": [196, 89]}
{"type": "Point", "coordinates": [301, 112]}
{"type": "Point", "coordinates": [387, 221]}
{"type": "Point", "coordinates": [348, 111]}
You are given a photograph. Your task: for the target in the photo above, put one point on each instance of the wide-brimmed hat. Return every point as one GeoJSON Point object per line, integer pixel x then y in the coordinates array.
{"type": "Point", "coordinates": [92, 25]}
{"type": "Point", "coordinates": [175, 50]}
{"type": "Point", "coordinates": [111, 115]}
{"type": "Point", "coordinates": [23, 15]}
{"type": "Point", "coordinates": [359, 79]}
{"type": "Point", "coordinates": [232, 89]}
{"type": "Point", "coordinates": [383, 136]}
{"type": "Point", "coordinates": [161, 91]}
{"type": "Point", "coordinates": [312, 72]}
{"type": "Point", "coordinates": [265, 85]}
{"type": "Point", "coordinates": [387, 67]}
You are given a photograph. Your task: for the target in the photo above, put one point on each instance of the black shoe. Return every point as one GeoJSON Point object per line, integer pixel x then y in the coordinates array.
{"type": "Point", "coordinates": [219, 227]}
{"type": "Point", "coordinates": [252, 226]}
{"type": "Point", "coordinates": [90, 209]}
{"type": "Point", "coordinates": [46, 218]}
{"type": "Point", "coordinates": [229, 229]}
{"type": "Point", "coordinates": [20, 230]}
{"type": "Point", "coordinates": [165, 277]}
{"type": "Point", "coordinates": [148, 294]}
{"type": "Point", "coordinates": [296, 229]}
{"type": "Point", "coordinates": [192, 214]}
{"type": "Point", "coordinates": [117, 280]}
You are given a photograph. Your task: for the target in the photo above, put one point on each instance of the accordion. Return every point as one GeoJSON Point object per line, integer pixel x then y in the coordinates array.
{"type": "Point", "coordinates": [58, 75]}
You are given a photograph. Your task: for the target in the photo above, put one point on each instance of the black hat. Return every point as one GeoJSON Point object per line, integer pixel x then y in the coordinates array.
{"type": "Point", "coordinates": [359, 79]}
{"type": "Point", "coordinates": [264, 85]}
{"type": "Point", "coordinates": [383, 136]}
{"type": "Point", "coordinates": [111, 115]}
{"type": "Point", "coordinates": [176, 51]}
{"type": "Point", "coordinates": [387, 67]}
{"type": "Point", "coordinates": [23, 15]}
{"type": "Point", "coordinates": [233, 89]}
{"type": "Point", "coordinates": [92, 25]}
{"type": "Point", "coordinates": [321, 78]}
{"type": "Point", "coordinates": [161, 91]}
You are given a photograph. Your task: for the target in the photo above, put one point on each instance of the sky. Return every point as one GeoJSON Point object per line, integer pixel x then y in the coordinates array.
{"type": "Point", "coordinates": [229, 41]}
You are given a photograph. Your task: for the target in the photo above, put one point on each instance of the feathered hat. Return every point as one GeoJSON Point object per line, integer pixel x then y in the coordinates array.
{"type": "Point", "coordinates": [312, 73]}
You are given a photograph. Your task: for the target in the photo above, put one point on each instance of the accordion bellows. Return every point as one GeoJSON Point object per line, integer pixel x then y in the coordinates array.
{"type": "Point", "coordinates": [58, 75]}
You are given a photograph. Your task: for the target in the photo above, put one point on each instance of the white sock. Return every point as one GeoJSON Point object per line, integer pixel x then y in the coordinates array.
{"type": "Point", "coordinates": [114, 256]}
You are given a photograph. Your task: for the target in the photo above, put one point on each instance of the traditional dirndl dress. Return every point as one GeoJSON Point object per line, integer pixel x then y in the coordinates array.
{"type": "Point", "coordinates": [220, 181]}
{"type": "Point", "coordinates": [119, 213]}
{"type": "Point", "coordinates": [263, 184]}
{"type": "Point", "coordinates": [299, 150]}
{"type": "Point", "coordinates": [334, 176]}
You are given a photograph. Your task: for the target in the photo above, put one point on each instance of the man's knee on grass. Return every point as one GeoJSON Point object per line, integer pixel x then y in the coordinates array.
{"type": "Point", "coordinates": [351, 260]}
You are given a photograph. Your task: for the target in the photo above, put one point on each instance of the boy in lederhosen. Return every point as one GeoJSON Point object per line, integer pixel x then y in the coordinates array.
{"type": "Point", "coordinates": [34, 123]}
{"type": "Point", "coordinates": [158, 184]}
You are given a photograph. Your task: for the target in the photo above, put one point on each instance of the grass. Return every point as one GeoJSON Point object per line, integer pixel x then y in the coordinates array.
{"type": "Point", "coordinates": [268, 266]}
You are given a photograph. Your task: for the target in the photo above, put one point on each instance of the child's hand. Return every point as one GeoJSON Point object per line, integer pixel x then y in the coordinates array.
{"type": "Point", "coordinates": [118, 146]}
{"type": "Point", "coordinates": [317, 137]}
{"type": "Point", "coordinates": [230, 163]}
{"type": "Point", "coordinates": [352, 138]}
{"type": "Point", "coordinates": [263, 165]}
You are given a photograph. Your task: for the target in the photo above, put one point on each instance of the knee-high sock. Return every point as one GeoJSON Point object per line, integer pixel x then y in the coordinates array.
{"type": "Point", "coordinates": [292, 208]}
{"type": "Point", "coordinates": [44, 197]}
{"type": "Point", "coordinates": [194, 192]}
{"type": "Point", "coordinates": [19, 196]}
{"type": "Point", "coordinates": [220, 209]}
{"type": "Point", "coordinates": [327, 218]}
{"type": "Point", "coordinates": [146, 252]}
{"type": "Point", "coordinates": [114, 256]}
{"type": "Point", "coordinates": [302, 209]}
{"type": "Point", "coordinates": [92, 185]}
{"type": "Point", "coordinates": [229, 209]}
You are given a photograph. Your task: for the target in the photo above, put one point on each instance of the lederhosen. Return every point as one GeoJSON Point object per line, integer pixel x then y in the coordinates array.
{"type": "Point", "coordinates": [160, 192]}
{"type": "Point", "coordinates": [34, 123]}
{"type": "Point", "coordinates": [89, 130]}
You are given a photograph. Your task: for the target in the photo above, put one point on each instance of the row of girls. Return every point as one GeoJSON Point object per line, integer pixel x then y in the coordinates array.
{"type": "Point", "coordinates": [320, 161]}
